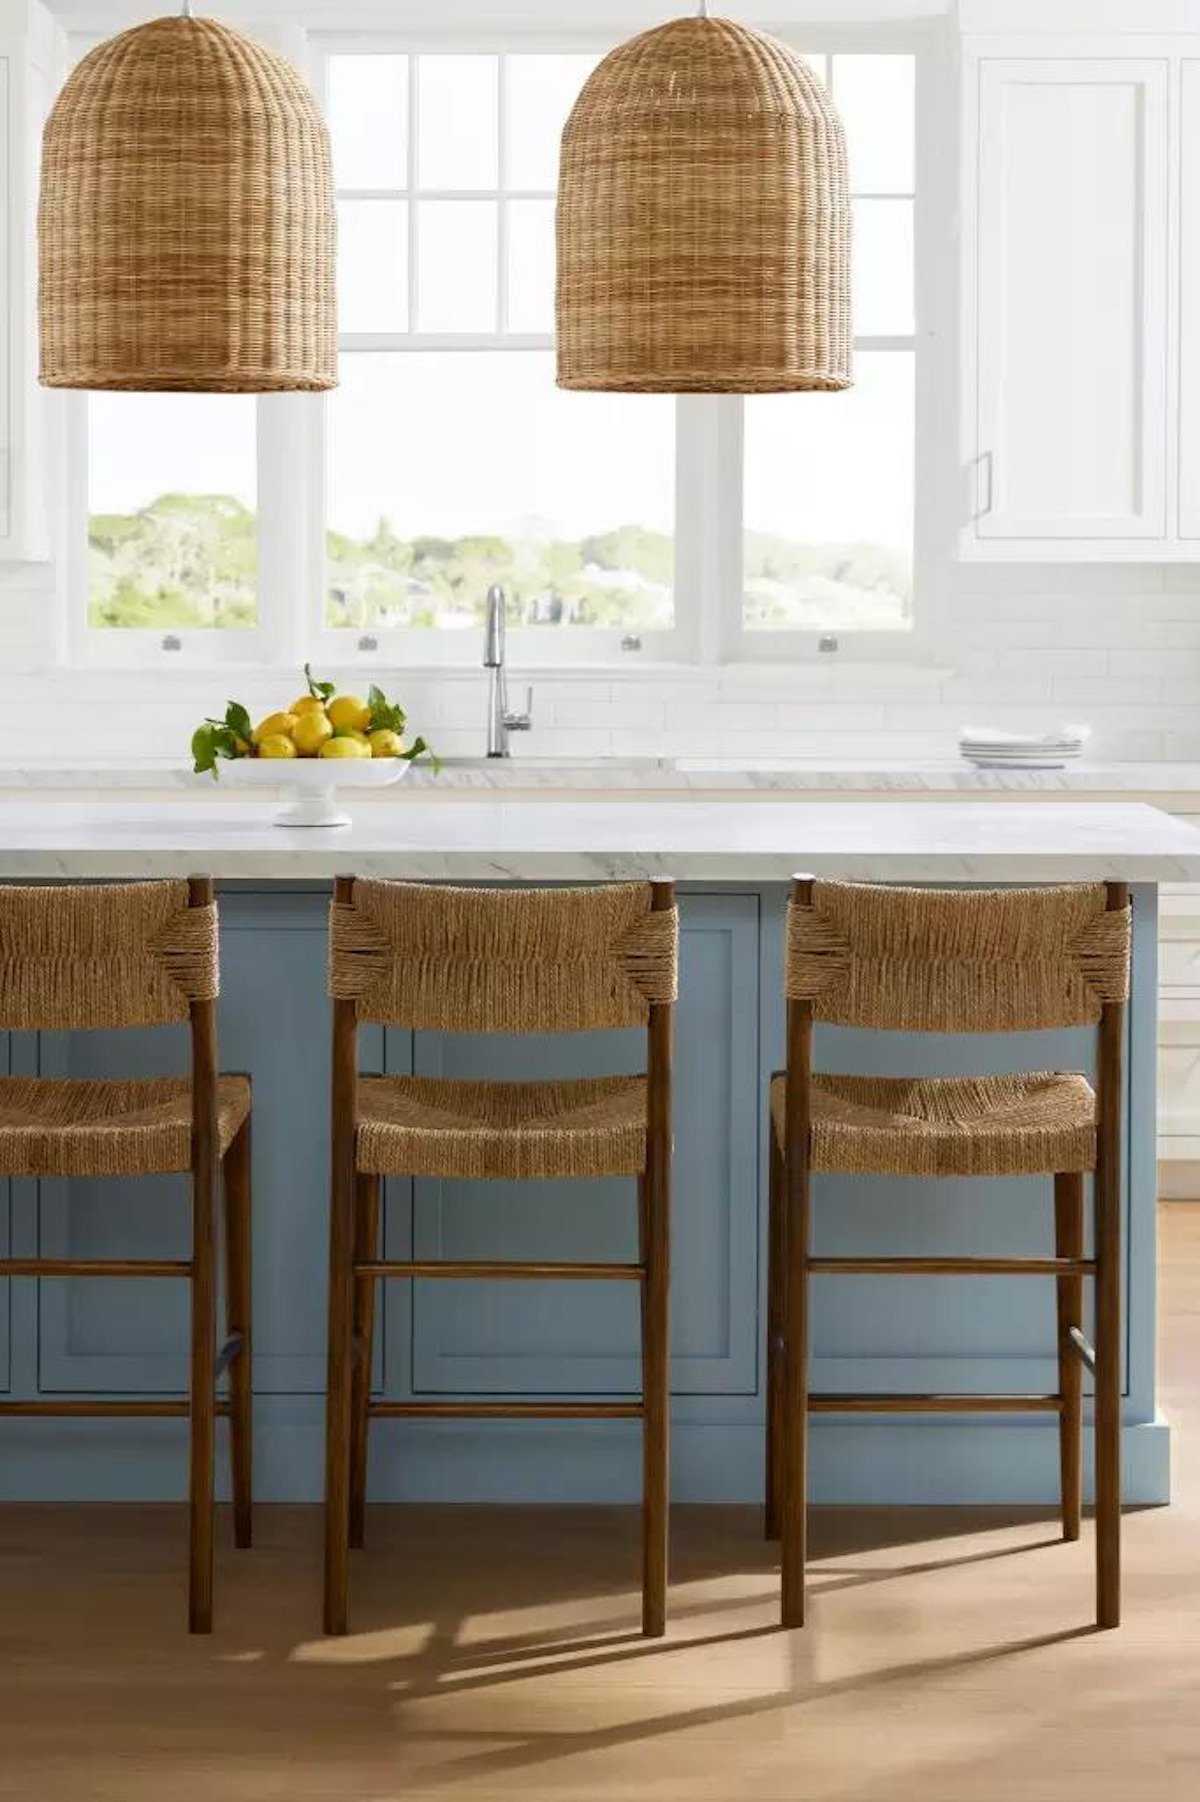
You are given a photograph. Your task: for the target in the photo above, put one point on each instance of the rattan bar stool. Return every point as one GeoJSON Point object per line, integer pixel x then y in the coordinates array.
{"type": "Point", "coordinates": [124, 955]}
{"type": "Point", "coordinates": [497, 961]}
{"type": "Point", "coordinates": [952, 961]}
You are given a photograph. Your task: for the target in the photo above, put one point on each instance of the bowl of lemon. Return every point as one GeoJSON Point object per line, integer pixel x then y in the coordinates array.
{"type": "Point", "coordinates": [321, 743]}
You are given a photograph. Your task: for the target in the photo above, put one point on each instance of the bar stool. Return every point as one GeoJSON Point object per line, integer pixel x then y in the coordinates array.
{"type": "Point", "coordinates": [965, 961]}
{"type": "Point", "coordinates": [496, 961]}
{"type": "Point", "coordinates": [139, 954]}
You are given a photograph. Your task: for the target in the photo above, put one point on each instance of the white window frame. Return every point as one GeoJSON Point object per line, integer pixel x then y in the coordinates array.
{"type": "Point", "coordinates": [708, 630]}
{"type": "Point", "coordinates": [532, 647]}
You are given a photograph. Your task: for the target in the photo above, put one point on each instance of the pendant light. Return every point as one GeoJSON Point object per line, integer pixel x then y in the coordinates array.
{"type": "Point", "coordinates": [703, 220]}
{"type": "Point", "coordinates": [186, 223]}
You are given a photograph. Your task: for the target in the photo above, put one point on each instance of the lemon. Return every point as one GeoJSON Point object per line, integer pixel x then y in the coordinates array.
{"type": "Point", "coordinates": [311, 731]}
{"type": "Point", "coordinates": [348, 713]}
{"type": "Point", "coordinates": [308, 704]}
{"type": "Point", "coordinates": [275, 725]}
{"type": "Point", "coordinates": [386, 743]}
{"type": "Point", "coordinates": [276, 744]}
{"type": "Point", "coordinates": [345, 747]}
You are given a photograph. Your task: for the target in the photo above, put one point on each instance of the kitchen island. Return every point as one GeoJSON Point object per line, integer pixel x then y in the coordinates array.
{"type": "Point", "coordinates": [732, 862]}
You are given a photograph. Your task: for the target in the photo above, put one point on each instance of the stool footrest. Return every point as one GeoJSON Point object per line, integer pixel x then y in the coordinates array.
{"type": "Point", "coordinates": [952, 1266]}
{"type": "Point", "coordinates": [95, 1267]}
{"type": "Point", "coordinates": [102, 1408]}
{"type": "Point", "coordinates": [934, 1404]}
{"type": "Point", "coordinates": [500, 1270]}
{"type": "Point", "coordinates": [386, 1410]}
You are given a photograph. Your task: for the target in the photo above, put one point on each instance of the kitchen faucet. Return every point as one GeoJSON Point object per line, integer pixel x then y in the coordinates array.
{"type": "Point", "coordinates": [500, 721]}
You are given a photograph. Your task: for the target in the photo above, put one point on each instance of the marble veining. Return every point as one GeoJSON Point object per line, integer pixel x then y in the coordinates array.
{"type": "Point", "coordinates": [544, 840]}
{"type": "Point", "coordinates": [699, 775]}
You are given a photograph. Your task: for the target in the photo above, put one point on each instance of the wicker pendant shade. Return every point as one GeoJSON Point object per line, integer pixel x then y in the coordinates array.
{"type": "Point", "coordinates": [186, 223]}
{"type": "Point", "coordinates": [703, 220]}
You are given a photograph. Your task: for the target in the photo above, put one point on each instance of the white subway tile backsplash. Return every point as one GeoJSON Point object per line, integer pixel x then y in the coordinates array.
{"type": "Point", "coordinates": [1115, 646]}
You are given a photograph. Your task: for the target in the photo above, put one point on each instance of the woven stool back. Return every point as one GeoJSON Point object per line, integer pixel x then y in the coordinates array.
{"type": "Point", "coordinates": [978, 960]}
{"type": "Point", "coordinates": [502, 960]}
{"type": "Point", "coordinates": [120, 954]}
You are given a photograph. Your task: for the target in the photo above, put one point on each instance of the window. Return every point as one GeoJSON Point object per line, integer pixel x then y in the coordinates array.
{"type": "Point", "coordinates": [369, 523]}
{"type": "Point", "coordinates": [828, 479]}
{"type": "Point", "coordinates": [172, 526]}
{"type": "Point", "coordinates": [452, 460]}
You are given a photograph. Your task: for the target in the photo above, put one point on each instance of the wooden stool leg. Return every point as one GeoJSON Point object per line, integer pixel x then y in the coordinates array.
{"type": "Point", "coordinates": [236, 1174]}
{"type": "Point", "coordinates": [337, 1407]}
{"type": "Point", "coordinates": [1068, 1243]}
{"type": "Point", "coordinates": [366, 1245]}
{"type": "Point", "coordinates": [1108, 1402]}
{"type": "Point", "coordinates": [776, 1271]}
{"type": "Point", "coordinates": [656, 1400]}
{"type": "Point", "coordinates": [794, 1436]}
{"type": "Point", "coordinates": [202, 1399]}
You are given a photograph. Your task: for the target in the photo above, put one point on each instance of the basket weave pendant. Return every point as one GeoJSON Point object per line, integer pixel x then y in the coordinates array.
{"type": "Point", "coordinates": [186, 220]}
{"type": "Point", "coordinates": [703, 220]}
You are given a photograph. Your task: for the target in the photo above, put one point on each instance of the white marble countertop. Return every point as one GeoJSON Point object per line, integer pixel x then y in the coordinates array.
{"type": "Point", "coordinates": [543, 840]}
{"type": "Point", "coordinates": [651, 775]}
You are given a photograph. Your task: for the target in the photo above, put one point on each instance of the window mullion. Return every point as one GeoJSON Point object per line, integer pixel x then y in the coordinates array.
{"type": "Point", "coordinates": [290, 516]}
{"type": "Point", "coordinates": [708, 524]}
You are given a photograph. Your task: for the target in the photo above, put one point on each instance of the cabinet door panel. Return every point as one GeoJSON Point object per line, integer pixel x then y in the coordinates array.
{"type": "Point", "coordinates": [1070, 295]}
{"type": "Point", "coordinates": [5, 320]}
{"type": "Point", "coordinates": [102, 1335]}
{"type": "Point", "coordinates": [542, 1338]}
{"type": "Point", "coordinates": [274, 1022]}
{"type": "Point", "coordinates": [1189, 300]}
{"type": "Point", "coordinates": [127, 1337]}
{"type": "Point", "coordinates": [930, 1333]}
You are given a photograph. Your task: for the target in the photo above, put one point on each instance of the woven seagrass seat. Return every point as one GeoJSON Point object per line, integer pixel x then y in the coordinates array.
{"type": "Point", "coordinates": [139, 954]}
{"type": "Point", "coordinates": [61, 1126]}
{"type": "Point", "coordinates": [948, 1126]}
{"type": "Point", "coordinates": [514, 961]}
{"type": "Point", "coordinates": [957, 961]}
{"type": "Point", "coordinates": [432, 1126]}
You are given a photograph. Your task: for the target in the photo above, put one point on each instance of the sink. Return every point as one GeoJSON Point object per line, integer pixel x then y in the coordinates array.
{"type": "Point", "coordinates": [519, 762]}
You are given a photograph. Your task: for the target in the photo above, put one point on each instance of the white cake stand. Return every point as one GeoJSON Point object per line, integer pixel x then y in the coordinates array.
{"type": "Point", "coordinates": [309, 785]}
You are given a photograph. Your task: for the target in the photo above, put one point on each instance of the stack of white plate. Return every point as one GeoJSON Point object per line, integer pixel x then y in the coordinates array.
{"type": "Point", "coordinates": [991, 750]}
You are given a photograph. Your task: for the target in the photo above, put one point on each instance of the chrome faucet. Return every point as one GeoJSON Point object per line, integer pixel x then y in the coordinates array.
{"type": "Point", "coordinates": [500, 721]}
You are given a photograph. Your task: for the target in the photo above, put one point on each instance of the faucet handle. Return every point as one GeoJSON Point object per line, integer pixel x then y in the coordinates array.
{"type": "Point", "coordinates": [523, 721]}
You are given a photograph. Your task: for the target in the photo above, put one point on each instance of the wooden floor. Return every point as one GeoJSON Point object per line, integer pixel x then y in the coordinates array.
{"type": "Point", "coordinates": [949, 1657]}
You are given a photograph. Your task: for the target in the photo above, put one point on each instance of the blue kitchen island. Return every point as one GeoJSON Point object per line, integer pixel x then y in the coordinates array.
{"type": "Point", "coordinates": [442, 1340]}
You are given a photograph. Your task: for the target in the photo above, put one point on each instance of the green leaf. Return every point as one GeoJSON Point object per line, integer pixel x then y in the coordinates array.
{"type": "Point", "coordinates": [211, 740]}
{"type": "Point", "coordinates": [387, 716]}
{"type": "Point", "coordinates": [204, 752]}
{"type": "Point", "coordinates": [323, 690]}
{"type": "Point", "coordinates": [238, 721]}
{"type": "Point", "coordinates": [419, 748]}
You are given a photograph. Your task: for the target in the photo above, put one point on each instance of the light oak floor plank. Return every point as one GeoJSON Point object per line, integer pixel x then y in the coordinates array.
{"type": "Point", "coordinates": [496, 1654]}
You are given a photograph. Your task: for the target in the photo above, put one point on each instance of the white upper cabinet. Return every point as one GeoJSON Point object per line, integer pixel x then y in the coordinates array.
{"type": "Point", "coordinates": [1066, 281]}
{"type": "Point", "coordinates": [6, 345]}
{"type": "Point", "coordinates": [1189, 304]}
